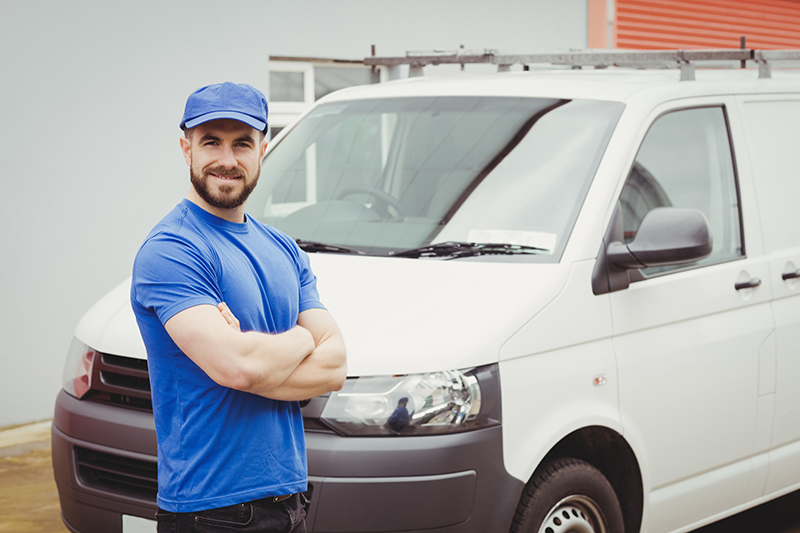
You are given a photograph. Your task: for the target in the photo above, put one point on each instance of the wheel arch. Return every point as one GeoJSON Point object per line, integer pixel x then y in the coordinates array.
{"type": "Point", "coordinates": [610, 453]}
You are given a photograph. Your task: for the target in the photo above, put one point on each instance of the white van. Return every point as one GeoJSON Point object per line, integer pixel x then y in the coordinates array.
{"type": "Point", "coordinates": [582, 285]}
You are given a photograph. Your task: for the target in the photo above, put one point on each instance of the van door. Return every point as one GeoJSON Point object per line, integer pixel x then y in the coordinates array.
{"type": "Point", "coordinates": [688, 338]}
{"type": "Point", "coordinates": [771, 127]}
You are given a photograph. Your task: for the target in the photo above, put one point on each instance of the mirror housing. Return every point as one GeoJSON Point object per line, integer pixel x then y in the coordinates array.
{"type": "Point", "coordinates": [666, 236]}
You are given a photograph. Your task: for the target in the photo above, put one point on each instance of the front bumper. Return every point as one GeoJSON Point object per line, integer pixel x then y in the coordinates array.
{"type": "Point", "coordinates": [103, 461]}
{"type": "Point", "coordinates": [103, 458]}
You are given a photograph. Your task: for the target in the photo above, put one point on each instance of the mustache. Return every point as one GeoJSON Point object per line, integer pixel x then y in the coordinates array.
{"type": "Point", "coordinates": [225, 172]}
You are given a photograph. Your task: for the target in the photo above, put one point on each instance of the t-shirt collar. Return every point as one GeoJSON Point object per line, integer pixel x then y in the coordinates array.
{"type": "Point", "coordinates": [214, 220]}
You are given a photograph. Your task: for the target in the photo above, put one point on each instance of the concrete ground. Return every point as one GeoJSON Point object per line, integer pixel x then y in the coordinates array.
{"type": "Point", "coordinates": [29, 499]}
{"type": "Point", "coordinates": [28, 496]}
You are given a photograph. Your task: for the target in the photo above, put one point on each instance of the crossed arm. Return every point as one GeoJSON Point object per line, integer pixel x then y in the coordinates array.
{"type": "Point", "coordinates": [303, 362]}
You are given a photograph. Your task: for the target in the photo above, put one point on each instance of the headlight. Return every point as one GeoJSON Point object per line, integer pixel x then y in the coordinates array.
{"type": "Point", "coordinates": [78, 368]}
{"type": "Point", "coordinates": [416, 404]}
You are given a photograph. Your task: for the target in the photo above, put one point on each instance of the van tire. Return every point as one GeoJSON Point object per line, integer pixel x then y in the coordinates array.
{"type": "Point", "coordinates": [568, 495]}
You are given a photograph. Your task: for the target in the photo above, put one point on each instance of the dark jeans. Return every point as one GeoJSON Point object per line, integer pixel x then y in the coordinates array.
{"type": "Point", "coordinates": [264, 516]}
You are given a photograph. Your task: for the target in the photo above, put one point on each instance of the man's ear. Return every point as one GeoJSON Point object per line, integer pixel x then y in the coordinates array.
{"type": "Point", "coordinates": [186, 148]}
{"type": "Point", "coordinates": [263, 148]}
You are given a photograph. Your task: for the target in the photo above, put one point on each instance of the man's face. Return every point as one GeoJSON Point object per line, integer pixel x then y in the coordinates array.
{"type": "Point", "coordinates": [224, 158]}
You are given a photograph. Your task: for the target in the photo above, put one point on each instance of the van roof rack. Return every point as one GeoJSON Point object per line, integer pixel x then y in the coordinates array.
{"type": "Point", "coordinates": [683, 59]}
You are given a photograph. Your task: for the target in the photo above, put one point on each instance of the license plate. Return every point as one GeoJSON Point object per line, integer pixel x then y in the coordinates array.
{"type": "Point", "coordinates": [134, 524]}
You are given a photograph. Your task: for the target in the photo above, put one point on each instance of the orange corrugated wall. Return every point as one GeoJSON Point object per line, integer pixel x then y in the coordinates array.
{"type": "Point", "coordinates": [692, 24]}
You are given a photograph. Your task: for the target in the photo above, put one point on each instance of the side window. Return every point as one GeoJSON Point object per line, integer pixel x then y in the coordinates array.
{"type": "Point", "coordinates": [686, 161]}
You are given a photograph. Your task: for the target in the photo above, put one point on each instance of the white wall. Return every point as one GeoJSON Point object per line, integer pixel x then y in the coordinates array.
{"type": "Point", "coordinates": [91, 94]}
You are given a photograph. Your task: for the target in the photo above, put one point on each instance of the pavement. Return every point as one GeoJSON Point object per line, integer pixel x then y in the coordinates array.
{"type": "Point", "coordinates": [28, 495]}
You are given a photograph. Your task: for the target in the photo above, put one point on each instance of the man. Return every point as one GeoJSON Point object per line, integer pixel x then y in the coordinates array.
{"type": "Point", "coordinates": [235, 334]}
{"type": "Point", "coordinates": [399, 418]}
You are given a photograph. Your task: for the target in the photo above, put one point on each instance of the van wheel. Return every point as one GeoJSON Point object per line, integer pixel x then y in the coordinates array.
{"type": "Point", "coordinates": [568, 495]}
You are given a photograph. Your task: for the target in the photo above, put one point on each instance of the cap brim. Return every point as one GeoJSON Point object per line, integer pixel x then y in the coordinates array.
{"type": "Point", "coordinates": [241, 117]}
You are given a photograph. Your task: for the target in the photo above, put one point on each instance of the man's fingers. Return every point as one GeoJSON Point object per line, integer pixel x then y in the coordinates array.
{"type": "Point", "coordinates": [229, 316]}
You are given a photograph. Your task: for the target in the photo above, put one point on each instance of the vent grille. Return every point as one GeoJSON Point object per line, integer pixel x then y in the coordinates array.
{"type": "Point", "coordinates": [122, 381]}
{"type": "Point", "coordinates": [125, 476]}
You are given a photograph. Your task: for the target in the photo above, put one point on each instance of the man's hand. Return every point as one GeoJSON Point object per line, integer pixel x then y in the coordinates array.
{"type": "Point", "coordinates": [228, 315]}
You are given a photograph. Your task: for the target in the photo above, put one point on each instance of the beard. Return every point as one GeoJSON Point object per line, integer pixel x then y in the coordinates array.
{"type": "Point", "coordinates": [226, 198]}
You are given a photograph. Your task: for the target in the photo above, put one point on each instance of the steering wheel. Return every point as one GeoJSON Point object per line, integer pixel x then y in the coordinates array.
{"type": "Point", "coordinates": [375, 193]}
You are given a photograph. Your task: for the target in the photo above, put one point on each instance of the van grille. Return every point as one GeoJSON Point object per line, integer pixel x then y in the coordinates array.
{"type": "Point", "coordinates": [122, 381]}
{"type": "Point", "coordinates": [116, 474]}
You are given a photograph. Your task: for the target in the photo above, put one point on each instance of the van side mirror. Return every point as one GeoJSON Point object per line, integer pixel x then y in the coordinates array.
{"type": "Point", "coordinates": [666, 236]}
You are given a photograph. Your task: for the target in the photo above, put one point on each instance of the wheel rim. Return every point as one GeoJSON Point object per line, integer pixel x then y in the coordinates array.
{"type": "Point", "coordinates": [574, 514]}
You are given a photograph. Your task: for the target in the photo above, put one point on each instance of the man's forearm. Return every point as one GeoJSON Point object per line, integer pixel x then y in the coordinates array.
{"type": "Point", "coordinates": [323, 371]}
{"type": "Point", "coordinates": [251, 361]}
{"type": "Point", "coordinates": [268, 360]}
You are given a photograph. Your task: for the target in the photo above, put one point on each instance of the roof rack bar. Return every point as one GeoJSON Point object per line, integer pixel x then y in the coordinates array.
{"type": "Point", "coordinates": [764, 58]}
{"type": "Point", "coordinates": [684, 59]}
{"type": "Point", "coordinates": [572, 58]}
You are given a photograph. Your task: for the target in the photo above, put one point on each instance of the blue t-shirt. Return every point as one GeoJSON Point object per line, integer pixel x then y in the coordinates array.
{"type": "Point", "coordinates": [219, 446]}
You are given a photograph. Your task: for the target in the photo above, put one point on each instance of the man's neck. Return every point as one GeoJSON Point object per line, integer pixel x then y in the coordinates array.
{"type": "Point", "coordinates": [235, 214]}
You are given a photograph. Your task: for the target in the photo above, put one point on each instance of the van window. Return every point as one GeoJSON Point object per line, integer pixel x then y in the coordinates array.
{"type": "Point", "coordinates": [686, 161]}
{"type": "Point", "coordinates": [382, 175]}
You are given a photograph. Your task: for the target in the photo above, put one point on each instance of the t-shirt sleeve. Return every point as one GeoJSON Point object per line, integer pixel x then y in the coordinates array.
{"type": "Point", "coordinates": [171, 275]}
{"type": "Point", "coordinates": [309, 295]}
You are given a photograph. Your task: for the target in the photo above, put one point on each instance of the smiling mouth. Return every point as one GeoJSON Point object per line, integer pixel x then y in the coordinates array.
{"type": "Point", "coordinates": [223, 177]}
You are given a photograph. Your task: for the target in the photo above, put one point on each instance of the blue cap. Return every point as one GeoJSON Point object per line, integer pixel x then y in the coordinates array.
{"type": "Point", "coordinates": [237, 101]}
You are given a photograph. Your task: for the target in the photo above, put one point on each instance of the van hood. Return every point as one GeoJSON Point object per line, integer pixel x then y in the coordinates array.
{"type": "Point", "coordinates": [397, 315]}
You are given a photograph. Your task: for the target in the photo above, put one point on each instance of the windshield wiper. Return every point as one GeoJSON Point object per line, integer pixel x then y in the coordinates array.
{"type": "Point", "coordinates": [313, 246]}
{"type": "Point", "coordinates": [455, 250]}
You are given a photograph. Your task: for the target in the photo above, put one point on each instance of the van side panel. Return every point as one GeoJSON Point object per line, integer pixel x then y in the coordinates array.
{"type": "Point", "coordinates": [558, 374]}
{"type": "Point", "coordinates": [772, 131]}
{"type": "Point", "coordinates": [691, 341]}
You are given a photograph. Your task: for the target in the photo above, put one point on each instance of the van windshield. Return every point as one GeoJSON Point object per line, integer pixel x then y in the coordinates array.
{"type": "Point", "coordinates": [393, 175]}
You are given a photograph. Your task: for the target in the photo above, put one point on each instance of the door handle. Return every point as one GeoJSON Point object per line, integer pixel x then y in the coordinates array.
{"type": "Point", "coordinates": [791, 275]}
{"type": "Point", "coordinates": [755, 282]}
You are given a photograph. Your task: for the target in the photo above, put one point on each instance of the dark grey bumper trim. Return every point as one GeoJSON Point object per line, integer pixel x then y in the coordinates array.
{"type": "Point", "coordinates": [434, 484]}
{"type": "Point", "coordinates": [394, 504]}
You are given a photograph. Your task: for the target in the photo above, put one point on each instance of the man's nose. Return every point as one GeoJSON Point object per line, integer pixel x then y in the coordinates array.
{"type": "Point", "coordinates": [226, 157]}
